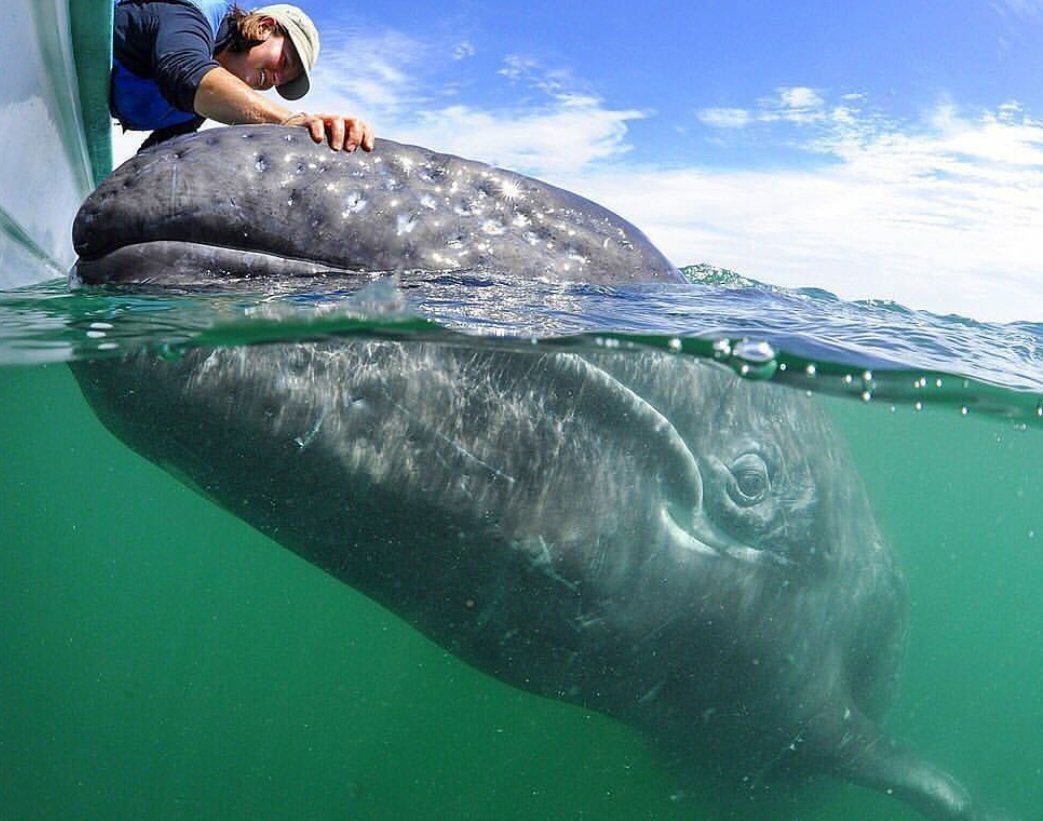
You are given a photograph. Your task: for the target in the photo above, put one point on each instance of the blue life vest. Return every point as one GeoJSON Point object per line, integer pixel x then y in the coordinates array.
{"type": "Point", "coordinates": [137, 102]}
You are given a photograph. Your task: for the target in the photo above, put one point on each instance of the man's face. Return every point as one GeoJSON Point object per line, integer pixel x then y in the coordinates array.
{"type": "Point", "coordinates": [266, 65]}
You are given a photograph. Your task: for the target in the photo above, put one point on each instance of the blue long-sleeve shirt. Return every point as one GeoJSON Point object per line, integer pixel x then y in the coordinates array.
{"type": "Point", "coordinates": [170, 42]}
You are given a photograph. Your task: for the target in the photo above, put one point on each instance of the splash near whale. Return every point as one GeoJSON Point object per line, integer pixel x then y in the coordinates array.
{"type": "Point", "coordinates": [641, 534]}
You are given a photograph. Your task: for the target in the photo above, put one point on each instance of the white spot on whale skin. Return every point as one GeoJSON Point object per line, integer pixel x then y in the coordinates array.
{"type": "Point", "coordinates": [405, 223]}
{"type": "Point", "coordinates": [427, 201]}
{"type": "Point", "coordinates": [354, 203]}
{"type": "Point", "coordinates": [493, 228]}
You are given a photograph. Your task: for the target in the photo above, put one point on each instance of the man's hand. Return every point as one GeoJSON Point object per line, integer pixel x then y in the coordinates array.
{"type": "Point", "coordinates": [342, 133]}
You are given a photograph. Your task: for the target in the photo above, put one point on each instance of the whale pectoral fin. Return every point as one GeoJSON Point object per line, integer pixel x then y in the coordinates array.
{"type": "Point", "coordinates": [886, 767]}
{"type": "Point", "coordinates": [866, 757]}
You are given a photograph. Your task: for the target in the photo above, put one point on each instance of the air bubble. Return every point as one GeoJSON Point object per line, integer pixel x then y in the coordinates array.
{"type": "Point", "coordinates": [754, 350]}
{"type": "Point", "coordinates": [756, 358]}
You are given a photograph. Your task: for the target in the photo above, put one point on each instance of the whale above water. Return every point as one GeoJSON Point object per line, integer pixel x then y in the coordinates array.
{"type": "Point", "coordinates": [641, 534]}
{"type": "Point", "coordinates": [261, 200]}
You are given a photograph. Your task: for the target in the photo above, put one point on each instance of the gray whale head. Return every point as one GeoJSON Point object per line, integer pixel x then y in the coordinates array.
{"type": "Point", "coordinates": [252, 201]}
{"type": "Point", "coordinates": [644, 535]}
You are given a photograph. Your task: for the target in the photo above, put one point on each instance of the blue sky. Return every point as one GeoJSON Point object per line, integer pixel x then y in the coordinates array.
{"type": "Point", "coordinates": [876, 149]}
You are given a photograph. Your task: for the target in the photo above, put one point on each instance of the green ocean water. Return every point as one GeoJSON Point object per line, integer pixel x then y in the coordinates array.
{"type": "Point", "coordinates": [159, 659]}
{"type": "Point", "coordinates": [164, 660]}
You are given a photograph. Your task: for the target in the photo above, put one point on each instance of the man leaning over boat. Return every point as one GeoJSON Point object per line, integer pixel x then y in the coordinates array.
{"type": "Point", "coordinates": [177, 63]}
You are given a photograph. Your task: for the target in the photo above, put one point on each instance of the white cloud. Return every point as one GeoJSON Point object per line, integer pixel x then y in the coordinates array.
{"type": "Point", "coordinates": [1027, 9]}
{"type": "Point", "coordinates": [373, 73]}
{"type": "Point", "coordinates": [571, 133]}
{"type": "Point", "coordinates": [725, 117]}
{"type": "Point", "coordinates": [800, 98]}
{"type": "Point", "coordinates": [946, 215]}
{"type": "Point", "coordinates": [793, 104]}
{"type": "Point", "coordinates": [564, 127]}
{"type": "Point", "coordinates": [463, 50]}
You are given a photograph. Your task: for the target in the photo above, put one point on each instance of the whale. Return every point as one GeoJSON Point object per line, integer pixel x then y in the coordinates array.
{"type": "Point", "coordinates": [640, 533]}
{"type": "Point", "coordinates": [644, 535]}
{"type": "Point", "coordinates": [249, 202]}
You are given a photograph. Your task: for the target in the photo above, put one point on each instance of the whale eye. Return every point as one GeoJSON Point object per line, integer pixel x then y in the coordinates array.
{"type": "Point", "coordinates": [750, 480]}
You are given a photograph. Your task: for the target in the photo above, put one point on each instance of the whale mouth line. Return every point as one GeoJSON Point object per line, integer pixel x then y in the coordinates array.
{"type": "Point", "coordinates": [216, 250]}
{"type": "Point", "coordinates": [174, 261]}
{"type": "Point", "coordinates": [683, 538]}
{"type": "Point", "coordinates": [714, 545]}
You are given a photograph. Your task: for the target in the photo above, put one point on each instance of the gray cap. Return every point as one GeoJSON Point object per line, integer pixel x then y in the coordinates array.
{"type": "Point", "coordinates": [305, 38]}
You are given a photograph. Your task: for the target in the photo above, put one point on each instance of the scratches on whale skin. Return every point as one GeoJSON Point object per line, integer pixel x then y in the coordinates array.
{"type": "Point", "coordinates": [460, 449]}
{"type": "Point", "coordinates": [652, 692]}
{"type": "Point", "coordinates": [309, 437]}
{"type": "Point", "coordinates": [172, 206]}
{"type": "Point", "coordinates": [541, 559]}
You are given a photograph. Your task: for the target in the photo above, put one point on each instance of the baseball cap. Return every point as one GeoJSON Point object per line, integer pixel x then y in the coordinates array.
{"type": "Point", "coordinates": [305, 38]}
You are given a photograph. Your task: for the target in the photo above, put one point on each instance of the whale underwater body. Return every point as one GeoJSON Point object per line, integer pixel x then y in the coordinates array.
{"type": "Point", "coordinates": [642, 534]}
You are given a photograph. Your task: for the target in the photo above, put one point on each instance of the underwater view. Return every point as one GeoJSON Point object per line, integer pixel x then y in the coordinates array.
{"type": "Point", "coordinates": [167, 660]}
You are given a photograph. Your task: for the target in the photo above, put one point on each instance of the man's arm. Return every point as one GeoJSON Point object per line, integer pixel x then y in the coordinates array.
{"type": "Point", "coordinates": [224, 97]}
